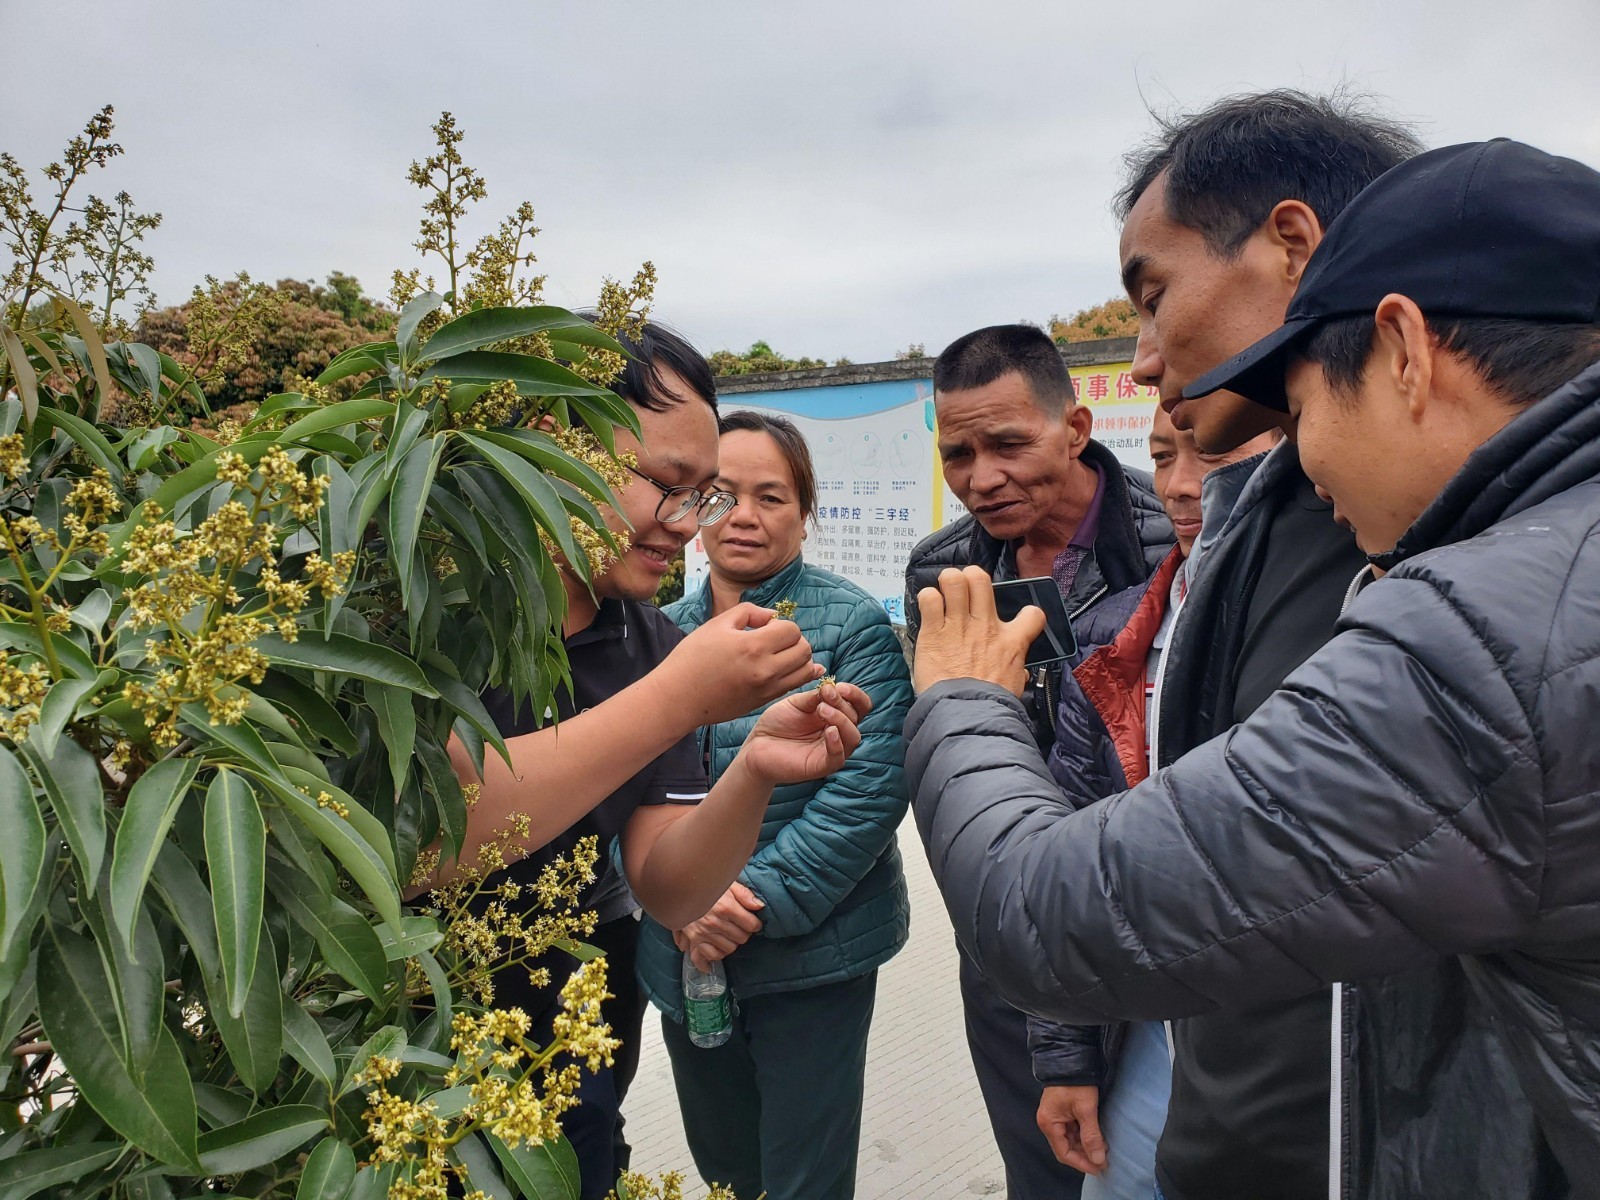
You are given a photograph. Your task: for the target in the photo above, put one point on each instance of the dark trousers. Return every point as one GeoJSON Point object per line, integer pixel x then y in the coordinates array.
{"type": "Point", "coordinates": [997, 1038]}
{"type": "Point", "coordinates": [595, 1127]}
{"type": "Point", "coordinates": [776, 1109]}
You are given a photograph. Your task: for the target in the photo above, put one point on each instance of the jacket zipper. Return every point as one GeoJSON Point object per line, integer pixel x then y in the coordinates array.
{"type": "Point", "coordinates": [1342, 1017]}
{"type": "Point", "coordinates": [1155, 748]}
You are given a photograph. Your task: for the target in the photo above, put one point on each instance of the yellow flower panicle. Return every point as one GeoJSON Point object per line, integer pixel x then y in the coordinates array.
{"type": "Point", "coordinates": [201, 661]}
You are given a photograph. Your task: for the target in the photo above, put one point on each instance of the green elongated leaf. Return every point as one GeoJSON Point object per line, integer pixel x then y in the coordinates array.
{"type": "Point", "coordinates": [467, 705]}
{"type": "Point", "coordinates": [508, 519]}
{"type": "Point", "coordinates": [542, 451]}
{"type": "Point", "coordinates": [448, 797]}
{"type": "Point", "coordinates": [265, 1137]}
{"type": "Point", "coordinates": [460, 519]}
{"type": "Point", "coordinates": [157, 1114]}
{"type": "Point", "coordinates": [22, 861]}
{"type": "Point", "coordinates": [487, 326]}
{"type": "Point", "coordinates": [356, 361]}
{"type": "Point", "coordinates": [397, 727]}
{"type": "Point", "coordinates": [173, 373]}
{"type": "Point", "coordinates": [30, 1173]}
{"type": "Point", "coordinates": [571, 342]}
{"type": "Point", "coordinates": [152, 803]}
{"type": "Point", "coordinates": [346, 412]}
{"type": "Point", "coordinates": [328, 1173]}
{"type": "Point", "coordinates": [137, 987]}
{"type": "Point", "coordinates": [303, 1038]}
{"type": "Point", "coordinates": [22, 370]}
{"type": "Point", "coordinates": [388, 1042]}
{"type": "Point", "coordinates": [543, 1172]}
{"type": "Point", "coordinates": [19, 993]}
{"type": "Point", "coordinates": [371, 484]}
{"type": "Point", "coordinates": [316, 716]}
{"type": "Point", "coordinates": [536, 491]}
{"type": "Point", "coordinates": [19, 636]}
{"type": "Point", "coordinates": [374, 876]}
{"type": "Point", "coordinates": [417, 935]}
{"type": "Point", "coordinates": [189, 903]}
{"type": "Point", "coordinates": [220, 1106]}
{"type": "Point", "coordinates": [254, 1039]}
{"type": "Point", "coordinates": [71, 779]}
{"type": "Point", "coordinates": [178, 489]}
{"type": "Point", "coordinates": [443, 1001]}
{"type": "Point", "coordinates": [412, 315]}
{"type": "Point", "coordinates": [94, 348]}
{"type": "Point", "coordinates": [581, 951]}
{"type": "Point", "coordinates": [91, 612]}
{"type": "Point", "coordinates": [482, 1173]}
{"type": "Point", "coordinates": [411, 482]}
{"type": "Point", "coordinates": [372, 1183]}
{"type": "Point", "coordinates": [348, 943]}
{"type": "Point", "coordinates": [360, 818]}
{"type": "Point", "coordinates": [58, 708]}
{"type": "Point", "coordinates": [348, 656]}
{"type": "Point", "coordinates": [533, 376]}
{"type": "Point", "coordinates": [236, 855]}
{"type": "Point", "coordinates": [280, 404]}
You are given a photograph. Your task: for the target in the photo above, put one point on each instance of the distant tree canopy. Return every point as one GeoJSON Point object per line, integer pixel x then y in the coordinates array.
{"type": "Point", "coordinates": [1112, 318]}
{"type": "Point", "coordinates": [760, 357]}
{"type": "Point", "coordinates": [299, 328]}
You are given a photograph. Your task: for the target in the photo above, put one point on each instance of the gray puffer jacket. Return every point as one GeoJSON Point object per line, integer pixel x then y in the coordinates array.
{"type": "Point", "coordinates": [1426, 784]}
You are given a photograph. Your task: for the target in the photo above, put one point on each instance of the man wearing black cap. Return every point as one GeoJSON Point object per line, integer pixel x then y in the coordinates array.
{"type": "Point", "coordinates": [1428, 783]}
{"type": "Point", "coordinates": [1221, 212]}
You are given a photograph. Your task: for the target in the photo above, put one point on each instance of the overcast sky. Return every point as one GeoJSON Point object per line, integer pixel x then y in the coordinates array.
{"type": "Point", "coordinates": [836, 178]}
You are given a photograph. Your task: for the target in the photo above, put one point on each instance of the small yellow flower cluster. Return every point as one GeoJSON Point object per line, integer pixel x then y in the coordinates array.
{"type": "Point", "coordinates": [326, 800]}
{"type": "Point", "coordinates": [670, 1187]}
{"type": "Point", "coordinates": [579, 1024]}
{"type": "Point", "coordinates": [199, 570]}
{"type": "Point", "coordinates": [445, 566]}
{"type": "Point", "coordinates": [408, 1133]}
{"type": "Point", "coordinates": [504, 933]}
{"type": "Point", "coordinates": [228, 432]}
{"type": "Point", "coordinates": [577, 442]}
{"type": "Point", "coordinates": [785, 609]}
{"type": "Point", "coordinates": [498, 405]}
{"type": "Point", "coordinates": [22, 690]}
{"type": "Point", "coordinates": [13, 462]}
{"type": "Point", "coordinates": [497, 262]}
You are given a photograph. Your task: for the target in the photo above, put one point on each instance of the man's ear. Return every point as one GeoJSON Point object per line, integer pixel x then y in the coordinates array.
{"type": "Point", "coordinates": [1404, 350]}
{"type": "Point", "coordinates": [1296, 232]}
{"type": "Point", "coordinates": [1079, 420]}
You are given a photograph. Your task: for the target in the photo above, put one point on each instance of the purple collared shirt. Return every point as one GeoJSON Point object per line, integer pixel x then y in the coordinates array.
{"type": "Point", "coordinates": [1065, 568]}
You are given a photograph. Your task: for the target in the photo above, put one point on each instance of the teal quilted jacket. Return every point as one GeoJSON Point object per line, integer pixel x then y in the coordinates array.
{"type": "Point", "coordinates": [826, 863]}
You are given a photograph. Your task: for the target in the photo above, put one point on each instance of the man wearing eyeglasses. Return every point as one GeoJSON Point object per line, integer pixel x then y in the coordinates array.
{"type": "Point", "coordinates": [616, 757]}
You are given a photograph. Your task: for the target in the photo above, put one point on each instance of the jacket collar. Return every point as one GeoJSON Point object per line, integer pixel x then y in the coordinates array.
{"type": "Point", "coordinates": [766, 593]}
{"type": "Point", "coordinates": [1228, 494]}
{"type": "Point", "coordinates": [1553, 445]}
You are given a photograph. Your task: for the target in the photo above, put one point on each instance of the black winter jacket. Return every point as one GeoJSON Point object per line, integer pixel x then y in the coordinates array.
{"type": "Point", "coordinates": [1428, 784]}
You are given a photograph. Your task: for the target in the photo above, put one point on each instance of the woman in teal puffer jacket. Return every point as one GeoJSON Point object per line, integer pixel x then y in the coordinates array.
{"type": "Point", "coordinates": [822, 902]}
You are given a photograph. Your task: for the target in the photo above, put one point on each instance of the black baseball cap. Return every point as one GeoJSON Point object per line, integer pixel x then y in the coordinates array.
{"type": "Point", "coordinates": [1485, 229]}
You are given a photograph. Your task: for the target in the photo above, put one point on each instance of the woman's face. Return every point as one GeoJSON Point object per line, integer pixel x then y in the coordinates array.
{"type": "Point", "coordinates": [762, 534]}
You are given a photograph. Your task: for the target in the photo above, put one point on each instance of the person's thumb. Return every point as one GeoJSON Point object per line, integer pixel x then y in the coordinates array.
{"type": "Point", "coordinates": [1094, 1142]}
{"type": "Point", "coordinates": [1030, 622]}
{"type": "Point", "coordinates": [745, 615]}
{"type": "Point", "coordinates": [746, 897]}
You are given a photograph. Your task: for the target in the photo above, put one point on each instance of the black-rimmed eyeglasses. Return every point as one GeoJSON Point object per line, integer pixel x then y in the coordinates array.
{"type": "Point", "coordinates": [678, 502]}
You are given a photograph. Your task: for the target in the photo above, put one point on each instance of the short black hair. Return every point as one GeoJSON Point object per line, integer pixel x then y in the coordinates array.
{"type": "Point", "coordinates": [984, 355]}
{"type": "Point", "coordinates": [1228, 166]}
{"type": "Point", "coordinates": [657, 346]}
{"type": "Point", "coordinates": [1524, 361]}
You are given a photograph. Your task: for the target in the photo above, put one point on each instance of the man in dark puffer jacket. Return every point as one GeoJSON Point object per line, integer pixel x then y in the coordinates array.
{"type": "Point", "coordinates": [1425, 784]}
{"type": "Point", "coordinates": [1045, 500]}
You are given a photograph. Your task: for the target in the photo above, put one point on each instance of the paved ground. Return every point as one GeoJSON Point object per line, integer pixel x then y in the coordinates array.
{"type": "Point", "coordinates": [924, 1132]}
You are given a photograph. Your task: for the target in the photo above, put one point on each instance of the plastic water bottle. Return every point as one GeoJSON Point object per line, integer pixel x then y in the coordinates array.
{"type": "Point", "coordinates": [707, 1010]}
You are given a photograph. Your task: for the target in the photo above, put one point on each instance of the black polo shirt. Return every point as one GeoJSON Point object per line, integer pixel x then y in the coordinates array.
{"type": "Point", "coordinates": [625, 642]}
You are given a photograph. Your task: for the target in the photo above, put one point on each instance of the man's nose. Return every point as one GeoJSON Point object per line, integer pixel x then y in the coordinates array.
{"type": "Point", "coordinates": [1184, 482]}
{"type": "Point", "coordinates": [987, 475]}
{"type": "Point", "coordinates": [1148, 365]}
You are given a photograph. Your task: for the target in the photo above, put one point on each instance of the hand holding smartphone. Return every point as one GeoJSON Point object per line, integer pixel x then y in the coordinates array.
{"type": "Point", "coordinates": [1057, 642]}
